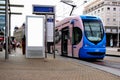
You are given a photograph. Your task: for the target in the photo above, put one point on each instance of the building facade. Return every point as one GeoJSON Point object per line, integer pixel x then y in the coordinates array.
{"type": "Point", "coordinates": [2, 26]}
{"type": "Point", "coordinates": [18, 33]}
{"type": "Point", "coordinates": [109, 12]}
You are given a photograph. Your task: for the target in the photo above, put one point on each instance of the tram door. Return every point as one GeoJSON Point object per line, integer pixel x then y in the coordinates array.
{"type": "Point", "coordinates": [64, 43]}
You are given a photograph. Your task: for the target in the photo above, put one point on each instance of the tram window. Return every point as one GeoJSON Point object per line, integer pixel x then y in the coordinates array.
{"type": "Point", "coordinates": [57, 36]}
{"type": "Point", "coordinates": [77, 35]}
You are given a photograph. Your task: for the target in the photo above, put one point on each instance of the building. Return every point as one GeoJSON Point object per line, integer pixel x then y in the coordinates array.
{"type": "Point", "coordinates": [2, 26]}
{"type": "Point", "coordinates": [109, 12]}
{"type": "Point", "coordinates": [18, 33]}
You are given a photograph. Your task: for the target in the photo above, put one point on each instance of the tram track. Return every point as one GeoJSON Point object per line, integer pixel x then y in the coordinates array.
{"type": "Point", "coordinates": [104, 65]}
{"type": "Point", "coordinates": [108, 61]}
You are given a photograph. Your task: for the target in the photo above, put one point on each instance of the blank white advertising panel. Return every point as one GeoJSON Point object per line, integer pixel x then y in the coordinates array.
{"type": "Point", "coordinates": [35, 37]}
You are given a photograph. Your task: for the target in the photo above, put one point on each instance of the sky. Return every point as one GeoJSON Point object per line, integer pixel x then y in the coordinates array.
{"type": "Point", "coordinates": [62, 10]}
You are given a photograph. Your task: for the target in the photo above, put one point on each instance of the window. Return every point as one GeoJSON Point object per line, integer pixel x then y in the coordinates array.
{"type": "Point", "coordinates": [102, 3]}
{"type": "Point", "coordinates": [95, 12]}
{"type": "Point", "coordinates": [108, 8]}
{"type": "Point", "coordinates": [114, 9]}
{"type": "Point", "coordinates": [77, 35]}
{"type": "Point", "coordinates": [108, 2]}
{"type": "Point", "coordinates": [114, 19]}
{"type": "Point", "coordinates": [93, 31]}
{"type": "Point", "coordinates": [98, 11]}
{"type": "Point", "coordinates": [108, 19]}
{"type": "Point", "coordinates": [114, 3]}
{"type": "Point", "coordinates": [102, 9]}
{"type": "Point", "coordinates": [57, 36]}
{"type": "Point", "coordinates": [119, 3]}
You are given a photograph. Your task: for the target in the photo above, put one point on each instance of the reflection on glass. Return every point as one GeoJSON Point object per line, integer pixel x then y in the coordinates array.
{"type": "Point", "coordinates": [93, 30]}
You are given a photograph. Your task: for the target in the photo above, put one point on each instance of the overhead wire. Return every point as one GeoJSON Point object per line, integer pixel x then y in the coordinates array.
{"type": "Point", "coordinates": [63, 10]}
{"type": "Point", "coordinates": [76, 2]}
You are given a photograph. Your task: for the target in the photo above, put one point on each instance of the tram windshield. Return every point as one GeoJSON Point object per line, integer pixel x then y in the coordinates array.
{"type": "Point", "coordinates": [93, 30]}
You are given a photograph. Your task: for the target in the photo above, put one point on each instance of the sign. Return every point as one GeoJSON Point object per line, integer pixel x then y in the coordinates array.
{"type": "Point", "coordinates": [49, 13]}
{"type": "Point", "coordinates": [43, 9]}
{"type": "Point", "coordinates": [50, 28]}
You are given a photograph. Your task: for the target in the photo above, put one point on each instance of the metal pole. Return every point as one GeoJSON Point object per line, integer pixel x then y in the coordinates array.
{"type": "Point", "coordinates": [45, 36]}
{"type": "Point", "coordinates": [54, 35]}
{"type": "Point", "coordinates": [6, 29]}
{"type": "Point", "coordinates": [9, 38]}
{"type": "Point", "coordinates": [9, 29]}
{"type": "Point", "coordinates": [118, 33]}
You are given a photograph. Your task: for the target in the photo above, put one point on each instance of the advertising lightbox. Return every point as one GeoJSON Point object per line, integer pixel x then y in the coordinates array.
{"type": "Point", "coordinates": [35, 37]}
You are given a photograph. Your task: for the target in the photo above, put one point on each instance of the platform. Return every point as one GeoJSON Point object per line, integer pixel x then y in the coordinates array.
{"type": "Point", "coordinates": [17, 67]}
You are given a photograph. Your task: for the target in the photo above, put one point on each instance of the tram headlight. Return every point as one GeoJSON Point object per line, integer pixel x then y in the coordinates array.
{"type": "Point", "coordinates": [104, 45]}
{"type": "Point", "coordinates": [86, 45]}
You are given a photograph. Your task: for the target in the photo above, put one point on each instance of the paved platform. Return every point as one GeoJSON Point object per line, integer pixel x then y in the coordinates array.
{"type": "Point", "coordinates": [112, 51]}
{"type": "Point", "coordinates": [17, 67]}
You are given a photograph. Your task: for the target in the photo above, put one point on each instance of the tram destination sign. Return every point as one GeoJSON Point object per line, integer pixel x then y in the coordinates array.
{"type": "Point", "coordinates": [43, 9]}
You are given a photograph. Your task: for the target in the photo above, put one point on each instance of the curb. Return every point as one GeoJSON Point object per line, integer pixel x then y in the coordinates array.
{"type": "Point", "coordinates": [113, 55]}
